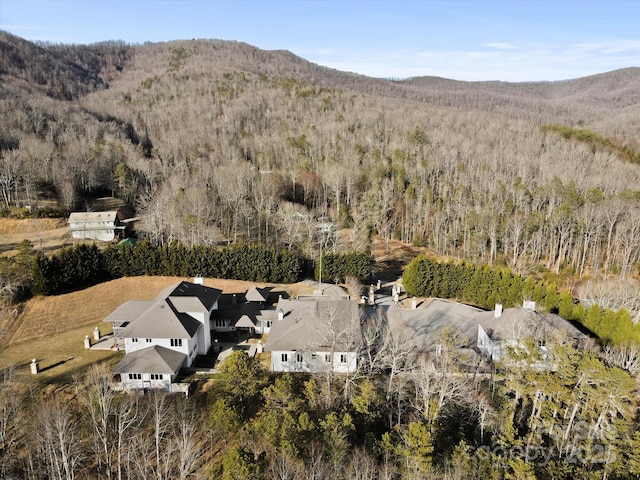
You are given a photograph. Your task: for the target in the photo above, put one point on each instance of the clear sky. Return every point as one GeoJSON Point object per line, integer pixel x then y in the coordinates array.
{"type": "Point", "coordinates": [516, 40]}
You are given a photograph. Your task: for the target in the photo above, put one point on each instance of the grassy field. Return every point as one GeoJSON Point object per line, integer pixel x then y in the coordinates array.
{"type": "Point", "coordinates": [52, 329]}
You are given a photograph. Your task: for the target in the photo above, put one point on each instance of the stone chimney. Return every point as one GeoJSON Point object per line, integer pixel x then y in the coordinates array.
{"type": "Point", "coordinates": [260, 347]}
{"type": "Point", "coordinates": [498, 311]}
{"type": "Point", "coordinates": [280, 315]}
{"type": "Point", "coordinates": [234, 299]}
{"type": "Point", "coordinates": [87, 341]}
{"type": "Point", "coordinates": [372, 298]}
{"type": "Point", "coordinates": [414, 303]}
{"type": "Point", "coordinates": [96, 334]}
{"type": "Point", "coordinates": [35, 368]}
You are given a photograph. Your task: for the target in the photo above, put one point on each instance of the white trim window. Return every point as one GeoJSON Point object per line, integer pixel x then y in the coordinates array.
{"type": "Point", "coordinates": [299, 357]}
{"type": "Point", "coordinates": [284, 357]}
{"type": "Point", "coordinates": [157, 376]}
{"type": "Point", "coordinates": [135, 376]}
{"type": "Point", "coordinates": [176, 342]}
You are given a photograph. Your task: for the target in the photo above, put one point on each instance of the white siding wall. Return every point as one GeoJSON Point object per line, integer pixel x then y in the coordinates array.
{"type": "Point", "coordinates": [146, 382]}
{"type": "Point", "coordinates": [188, 344]}
{"type": "Point", "coordinates": [99, 230]}
{"type": "Point", "coordinates": [314, 362]}
{"type": "Point", "coordinates": [493, 349]}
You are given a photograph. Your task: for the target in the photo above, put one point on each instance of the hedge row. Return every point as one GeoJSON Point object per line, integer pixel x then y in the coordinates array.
{"type": "Point", "coordinates": [84, 265]}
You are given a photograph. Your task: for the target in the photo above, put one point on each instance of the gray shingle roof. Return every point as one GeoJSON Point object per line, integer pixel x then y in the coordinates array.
{"type": "Point", "coordinates": [129, 311]}
{"type": "Point", "coordinates": [191, 297]}
{"type": "Point", "coordinates": [426, 323]}
{"type": "Point", "coordinates": [161, 320]}
{"type": "Point", "coordinates": [93, 216]}
{"type": "Point", "coordinates": [246, 314]}
{"type": "Point", "coordinates": [154, 359]}
{"type": "Point", "coordinates": [314, 323]}
{"type": "Point", "coordinates": [165, 317]}
{"type": "Point", "coordinates": [516, 323]}
{"type": "Point", "coordinates": [256, 294]}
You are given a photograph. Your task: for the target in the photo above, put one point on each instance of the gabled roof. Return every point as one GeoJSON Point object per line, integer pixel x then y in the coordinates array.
{"type": "Point", "coordinates": [426, 323]}
{"type": "Point", "coordinates": [191, 297]}
{"type": "Point", "coordinates": [242, 315]}
{"type": "Point", "coordinates": [517, 323]}
{"type": "Point", "coordinates": [129, 311]}
{"type": "Point", "coordinates": [166, 317]}
{"type": "Point", "coordinates": [256, 294]}
{"type": "Point", "coordinates": [83, 217]}
{"type": "Point", "coordinates": [154, 359]}
{"type": "Point", "coordinates": [314, 323]}
{"type": "Point", "coordinates": [162, 320]}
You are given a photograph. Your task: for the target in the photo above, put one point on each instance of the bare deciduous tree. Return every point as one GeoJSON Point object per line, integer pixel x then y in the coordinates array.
{"type": "Point", "coordinates": [58, 439]}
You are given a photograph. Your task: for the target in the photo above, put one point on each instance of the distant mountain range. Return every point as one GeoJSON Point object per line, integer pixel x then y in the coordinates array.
{"type": "Point", "coordinates": [69, 71]}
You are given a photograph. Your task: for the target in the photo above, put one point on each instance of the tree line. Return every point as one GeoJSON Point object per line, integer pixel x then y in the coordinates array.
{"type": "Point", "coordinates": [86, 264]}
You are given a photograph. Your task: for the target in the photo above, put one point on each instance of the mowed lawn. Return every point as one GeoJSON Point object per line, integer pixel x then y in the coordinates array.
{"type": "Point", "coordinates": [52, 329]}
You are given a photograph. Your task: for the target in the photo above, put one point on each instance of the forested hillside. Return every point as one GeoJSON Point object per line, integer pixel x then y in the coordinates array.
{"type": "Point", "coordinates": [220, 143]}
{"type": "Point", "coordinates": [217, 142]}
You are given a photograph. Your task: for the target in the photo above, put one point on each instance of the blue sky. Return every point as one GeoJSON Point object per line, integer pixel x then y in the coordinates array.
{"type": "Point", "coordinates": [515, 40]}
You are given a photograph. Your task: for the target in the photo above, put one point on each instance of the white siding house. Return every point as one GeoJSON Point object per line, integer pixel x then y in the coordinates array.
{"type": "Point", "coordinates": [104, 226]}
{"type": "Point", "coordinates": [163, 335]}
{"type": "Point", "coordinates": [314, 334]}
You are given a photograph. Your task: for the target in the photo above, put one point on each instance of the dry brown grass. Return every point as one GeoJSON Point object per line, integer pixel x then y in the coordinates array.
{"type": "Point", "coordinates": [31, 225]}
{"type": "Point", "coordinates": [61, 357]}
{"type": "Point", "coordinates": [47, 234]}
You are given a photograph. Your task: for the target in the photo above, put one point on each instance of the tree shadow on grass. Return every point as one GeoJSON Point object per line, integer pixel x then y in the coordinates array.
{"type": "Point", "coordinates": [54, 365]}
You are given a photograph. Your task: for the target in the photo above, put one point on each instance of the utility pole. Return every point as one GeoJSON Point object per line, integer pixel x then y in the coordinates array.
{"type": "Point", "coordinates": [325, 228]}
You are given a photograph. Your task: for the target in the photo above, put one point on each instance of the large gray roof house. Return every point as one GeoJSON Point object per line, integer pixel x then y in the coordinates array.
{"type": "Point", "coordinates": [163, 335]}
{"type": "Point", "coordinates": [314, 334]}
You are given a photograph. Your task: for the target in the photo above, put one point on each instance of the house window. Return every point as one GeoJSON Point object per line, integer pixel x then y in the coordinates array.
{"type": "Point", "coordinates": [268, 323]}
{"type": "Point", "coordinates": [148, 340]}
{"type": "Point", "coordinates": [284, 357]}
{"type": "Point", "coordinates": [313, 356]}
{"type": "Point", "coordinates": [176, 342]}
{"type": "Point", "coordinates": [135, 376]}
{"type": "Point", "coordinates": [220, 322]}
{"type": "Point", "coordinates": [327, 358]}
{"type": "Point", "coordinates": [343, 358]}
{"type": "Point", "coordinates": [298, 357]}
{"type": "Point", "coordinates": [134, 340]}
{"type": "Point", "coordinates": [156, 376]}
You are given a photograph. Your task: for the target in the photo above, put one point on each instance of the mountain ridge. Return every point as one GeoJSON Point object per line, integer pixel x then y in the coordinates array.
{"type": "Point", "coordinates": [608, 90]}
